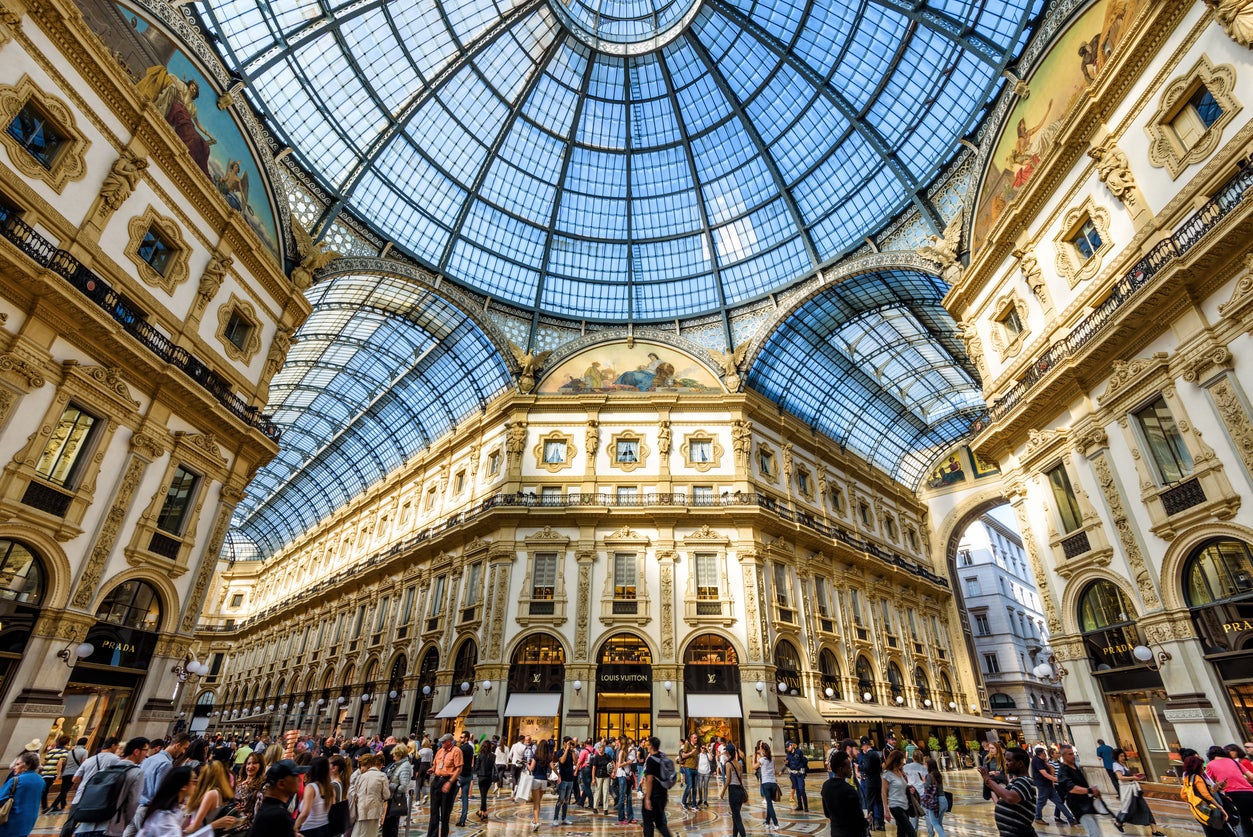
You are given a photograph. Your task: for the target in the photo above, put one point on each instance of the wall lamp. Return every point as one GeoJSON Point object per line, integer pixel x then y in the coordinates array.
{"type": "Point", "coordinates": [465, 686]}
{"type": "Point", "coordinates": [1144, 654]}
{"type": "Point", "coordinates": [1052, 670]}
{"type": "Point", "coordinates": [188, 667]}
{"type": "Point", "coordinates": [668, 686]}
{"type": "Point", "coordinates": [71, 656]}
{"type": "Point", "coordinates": [760, 687]}
{"type": "Point", "coordinates": [782, 687]}
{"type": "Point", "coordinates": [578, 686]}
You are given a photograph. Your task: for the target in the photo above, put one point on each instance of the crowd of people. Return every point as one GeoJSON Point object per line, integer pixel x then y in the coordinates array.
{"type": "Point", "coordinates": [335, 787]}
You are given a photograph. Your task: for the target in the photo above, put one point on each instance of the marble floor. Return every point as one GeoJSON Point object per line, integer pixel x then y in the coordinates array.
{"type": "Point", "coordinates": [970, 816]}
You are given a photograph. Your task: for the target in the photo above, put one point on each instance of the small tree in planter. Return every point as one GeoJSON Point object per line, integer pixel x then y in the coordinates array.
{"type": "Point", "coordinates": [933, 745]}
{"type": "Point", "coordinates": [950, 744]}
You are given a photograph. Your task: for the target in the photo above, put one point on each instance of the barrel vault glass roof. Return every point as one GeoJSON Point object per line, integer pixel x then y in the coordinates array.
{"type": "Point", "coordinates": [622, 160]}
{"type": "Point", "coordinates": [885, 348]}
{"type": "Point", "coordinates": [381, 369]}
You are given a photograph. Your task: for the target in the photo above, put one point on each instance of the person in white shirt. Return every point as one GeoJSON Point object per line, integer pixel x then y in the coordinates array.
{"type": "Point", "coordinates": [106, 757]}
{"type": "Point", "coordinates": [916, 775]}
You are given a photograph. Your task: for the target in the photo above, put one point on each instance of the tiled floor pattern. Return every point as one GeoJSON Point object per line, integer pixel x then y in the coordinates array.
{"type": "Point", "coordinates": [970, 817]}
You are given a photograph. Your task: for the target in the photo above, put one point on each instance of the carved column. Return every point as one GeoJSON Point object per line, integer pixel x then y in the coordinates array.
{"type": "Point", "coordinates": [665, 561]}
{"type": "Point", "coordinates": [750, 569]}
{"type": "Point", "coordinates": [30, 712]}
{"type": "Point", "coordinates": [1017, 496]}
{"type": "Point", "coordinates": [1231, 406]}
{"type": "Point", "coordinates": [586, 557]}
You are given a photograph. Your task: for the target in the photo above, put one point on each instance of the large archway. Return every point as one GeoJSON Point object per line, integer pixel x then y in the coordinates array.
{"type": "Point", "coordinates": [624, 688]}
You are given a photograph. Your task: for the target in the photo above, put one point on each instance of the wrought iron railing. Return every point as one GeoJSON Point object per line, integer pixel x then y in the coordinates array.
{"type": "Point", "coordinates": [1188, 235]}
{"type": "Point", "coordinates": [765, 502]}
{"type": "Point", "coordinates": [46, 254]}
{"type": "Point", "coordinates": [1183, 496]}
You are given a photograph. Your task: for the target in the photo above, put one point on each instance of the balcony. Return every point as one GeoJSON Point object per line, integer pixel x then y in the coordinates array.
{"type": "Point", "coordinates": [1192, 232]}
{"type": "Point", "coordinates": [42, 252]}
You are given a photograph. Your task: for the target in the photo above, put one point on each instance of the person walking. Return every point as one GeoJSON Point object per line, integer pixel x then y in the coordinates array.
{"type": "Point", "coordinates": [368, 793]}
{"type": "Point", "coordinates": [566, 760]}
{"type": "Point", "coordinates": [399, 780]}
{"type": "Point", "coordinates": [1045, 781]}
{"type": "Point", "coordinates": [655, 792]}
{"type": "Point", "coordinates": [1223, 768]}
{"type": "Point", "coordinates": [1080, 796]}
{"type": "Point", "coordinates": [502, 763]}
{"type": "Point", "coordinates": [797, 769]}
{"type": "Point", "coordinates": [133, 752]}
{"type": "Point", "coordinates": [315, 806]}
{"type": "Point", "coordinates": [763, 762]}
{"type": "Point", "coordinates": [486, 772]}
{"type": "Point", "coordinates": [689, 754]}
{"type": "Point", "coordinates": [1134, 809]}
{"type": "Point", "coordinates": [895, 794]}
{"type": "Point", "coordinates": [916, 772]}
{"type": "Point", "coordinates": [54, 761]}
{"type": "Point", "coordinates": [167, 811]}
{"type": "Point", "coordinates": [1196, 790]}
{"type": "Point", "coordinates": [870, 766]}
{"type": "Point", "coordinates": [841, 803]}
{"type": "Point", "coordinates": [74, 758]}
{"type": "Point", "coordinates": [1015, 799]}
{"type": "Point", "coordinates": [538, 760]}
{"type": "Point", "coordinates": [735, 790]}
{"type": "Point", "coordinates": [445, 769]}
{"type": "Point", "coordinates": [934, 800]}
{"type": "Point", "coordinates": [212, 790]}
{"type": "Point", "coordinates": [704, 770]}
{"type": "Point", "coordinates": [1105, 753]}
{"type": "Point", "coordinates": [466, 780]}
{"type": "Point", "coordinates": [602, 769]}
{"type": "Point", "coordinates": [282, 781]}
{"type": "Point", "coordinates": [27, 789]}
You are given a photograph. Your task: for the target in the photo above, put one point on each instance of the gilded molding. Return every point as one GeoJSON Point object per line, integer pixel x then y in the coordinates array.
{"type": "Point", "coordinates": [252, 341]}
{"type": "Point", "coordinates": [1241, 299]}
{"type": "Point", "coordinates": [211, 280]}
{"type": "Point", "coordinates": [1114, 170]}
{"type": "Point", "coordinates": [752, 623]}
{"type": "Point", "coordinates": [1126, 533]}
{"type": "Point", "coordinates": [208, 562]}
{"type": "Point", "coordinates": [176, 272]}
{"type": "Point", "coordinates": [1068, 256]}
{"type": "Point", "coordinates": [10, 362]}
{"type": "Point", "coordinates": [1128, 373]}
{"type": "Point", "coordinates": [109, 531]}
{"type": "Point", "coordinates": [1165, 148]}
{"type": "Point", "coordinates": [1235, 418]}
{"type": "Point", "coordinates": [70, 162]}
{"type": "Point", "coordinates": [1236, 19]}
{"type": "Point", "coordinates": [147, 445]}
{"type": "Point", "coordinates": [566, 462]}
{"type": "Point", "coordinates": [667, 608]}
{"type": "Point", "coordinates": [583, 606]}
{"type": "Point", "coordinates": [119, 184]}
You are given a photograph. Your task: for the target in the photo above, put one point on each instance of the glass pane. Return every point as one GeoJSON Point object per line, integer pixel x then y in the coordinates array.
{"type": "Point", "coordinates": [1165, 444]}
{"type": "Point", "coordinates": [1103, 605]}
{"type": "Point", "coordinates": [177, 501]}
{"type": "Point", "coordinates": [21, 575]}
{"type": "Point", "coordinates": [1064, 498]}
{"type": "Point", "coordinates": [34, 133]}
{"type": "Point", "coordinates": [65, 446]}
{"type": "Point", "coordinates": [1220, 570]}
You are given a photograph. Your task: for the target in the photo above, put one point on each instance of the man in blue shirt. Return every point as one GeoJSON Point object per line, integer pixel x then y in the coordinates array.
{"type": "Point", "coordinates": [1105, 753]}
{"type": "Point", "coordinates": [154, 769]}
{"type": "Point", "coordinates": [797, 767]}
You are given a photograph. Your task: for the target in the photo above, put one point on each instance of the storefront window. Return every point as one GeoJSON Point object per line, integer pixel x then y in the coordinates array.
{"type": "Point", "coordinates": [829, 667]}
{"type": "Point", "coordinates": [624, 688]}
{"type": "Point", "coordinates": [1221, 569]}
{"type": "Point", "coordinates": [21, 594]}
{"type": "Point", "coordinates": [1218, 586]}
{"type": "Point", "coordinates": [132, 604]}
{"type": "Point", "coordinates": [711, 681]}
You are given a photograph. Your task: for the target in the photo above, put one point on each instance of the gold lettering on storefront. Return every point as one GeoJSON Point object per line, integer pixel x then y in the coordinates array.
{"type": "Point", "coordinates": [1237, 627]}
{"type": "Point", "coordinates": [118, 646]}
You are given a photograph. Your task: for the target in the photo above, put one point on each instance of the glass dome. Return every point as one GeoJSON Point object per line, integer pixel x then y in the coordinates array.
{"type": "Point", "coordinates": [622, 160]}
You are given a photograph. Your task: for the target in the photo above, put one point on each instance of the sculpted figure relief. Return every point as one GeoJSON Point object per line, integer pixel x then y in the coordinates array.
{"type": "Point", "coordinates": [1236, 19]}
{"type": "Point", "coordinates": [314, 255]}
{"type": "Point", "coordinates": [943, 249]}
{"type": "Point", "coordinates": [1114, 170]}
{"type": "Point", "coordinates": [730, 361]}
{"type": "Point", "coordinates": [121, 180]}
{"type": "Point", "coordinates": [529, 363]}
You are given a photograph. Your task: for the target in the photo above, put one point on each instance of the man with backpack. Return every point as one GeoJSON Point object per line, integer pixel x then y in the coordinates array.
{"type": "Point", "coordinates": [660, 774]}
{"type": "Point", "coordinates": [108, 797]}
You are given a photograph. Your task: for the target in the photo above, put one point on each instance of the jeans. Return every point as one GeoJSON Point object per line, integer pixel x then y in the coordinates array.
{"type": "Point", "coordinates": [689, 787]}
{"type": "Point", "coordinates": [485, 785]}
{"type": "Point", "coordinates": [1091, 824]}
{"type": "Point", "coordinates": [702, 788]}
{"type": "Point", "coordinates": [798, 785]}
{"type": "Point", "coordinates": [935, 819]}
{"type": "Point", "coordinates": [584, 797]}
{"type": "Point", "coordinates": [1045, 794]}
{"type": "Point", "coordinates": [463, 785]}
{"type": "Point", "coordinates": [561, 810]}
{"type": "Point", "coordinates": [767, 793]}
{"type": "Point", "coordinates": [904, 826]}
{"type": "Point", "coordinates": [626, 808]}
{"type": "Point", "coordinates": [737, 817]}
{"type": "Point", "coordinates": [655, 818]}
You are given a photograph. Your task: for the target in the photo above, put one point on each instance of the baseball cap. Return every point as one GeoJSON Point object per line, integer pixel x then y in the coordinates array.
{"type": "Point", "coordinates": [445, 737]}
{"type": "Point", "coordinates": [281, 770]}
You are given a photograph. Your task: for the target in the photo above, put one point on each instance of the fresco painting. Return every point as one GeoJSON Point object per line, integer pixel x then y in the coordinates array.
{"type": "Point", "coordinates": [1072, 65]}
{"type": "Point", "coordinates": [617, 367]}
{"type": "Point", "coordinates": [182, 95]}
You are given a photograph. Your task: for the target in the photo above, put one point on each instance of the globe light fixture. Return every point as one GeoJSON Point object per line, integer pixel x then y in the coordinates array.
{"type": "Point", "coordinates": [578, 686]}
{"type": "Point", "coordinates": [830, 692]}
{"type": "Point", "coordinates": [465, 686]}
{"type": "Point", "coordinates": [487, 685]}
{"type": "Point", "coordinates": [761, 687]}
{"type": "Point", "coordinates": [900, 699]}
{"type": "Point", "coordinates": [782, 687]}
{"type": "Point", "coordinates": [866, 696]}
{"type": "Point", "coordinates": [952, 705]}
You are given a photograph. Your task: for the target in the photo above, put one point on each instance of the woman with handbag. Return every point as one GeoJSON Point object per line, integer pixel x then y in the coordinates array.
{"type": "Point", "coordinates": [485, 773]}
{"type": "Point", "coordinates": [315, 806]}
{"type": "Point", "coordinates": [1134, 810]}
{"type": "Point", "coordinates": [1206, 808]}
{"type": "Point", "coordinates": [538, 765]}
{"type": "Point", "coordinates": [735, 789]}
{"type": "Point", "coordinates": [763, 762]}
{"type": "Point", "coordinates": [1237, 788]}
{"type": "Point", "coordinates": [400, 779]}
{"type": "Point", "coordinates": [21, 796]}
{"type": "Point", "coordinates": [934, 802]}
{"type": "Point", "coordinates": [896, 790]}
{"type": "Point", "coordinates": [367, 796]}
{"type": "Point", "coordinates": [624, 776]}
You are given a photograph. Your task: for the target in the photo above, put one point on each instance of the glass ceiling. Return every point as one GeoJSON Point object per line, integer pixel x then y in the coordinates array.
{"type": "Point", "coordinates": [381, 369]}
{"type": "Point", "coordinates": [622, 159]}
{"type": "Point", "coordinates": [885, 348]}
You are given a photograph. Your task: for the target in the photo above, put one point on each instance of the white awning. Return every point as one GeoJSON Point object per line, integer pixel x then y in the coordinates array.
{"type": "Point", "coordinates": [533, 705]}
{"type": "Point", "coordinates": [713, 706]}
{"type": "Point", "coordinates": [802, 710]}
{"type": "Point", "coordinates": [454, 707]}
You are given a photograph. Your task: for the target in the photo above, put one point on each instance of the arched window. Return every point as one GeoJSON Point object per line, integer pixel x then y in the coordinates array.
{"type": "Point", "coordinates": [466, 658]}
{"type": "Point", "coordinates": [865, 679]}
{"type": "Point", "coordinates": [921, 682]}
{"type": "Point", "coordinates": [710, 649]}
{"type": "Point", "coordinates": [1000, 700]}
{"type": "Point", "coordinates": [1102, 605]}
{"type": "Point", "coordinates": [542, 649]}
{"type": "Point", "coordinates": [710, 664]}
{"type": "Point", "coordinates": [1217, 571]}
{"type": "Point", "coordinates": [829, 668]}
{"type": "Point", "coordinates": [896, 681]}
{"type": "Point", "coordinates": [538, 665]}
{"type": "Point", "coordinates": [132, 604]}
{"type": "Point", "coordinates": [787, 664]}
{"type": "Point", "coordinates": [625, 648]}
{"type": "Point", "coordinates": [21, 575]}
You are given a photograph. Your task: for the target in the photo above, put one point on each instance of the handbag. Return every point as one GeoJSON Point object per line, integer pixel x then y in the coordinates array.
{"type": "Point", "coordinates": [337, 814]}
{"type": "Point", "coordinates": [915, 804]}
{"type": "Point", "coordinates": [778, 794]}
{"type": "Point", "coordinates": [737, 794]}
{"type": "Point", "coordinates": [6, 808]}
{"type": "Point", "coordinates": [523, 791]}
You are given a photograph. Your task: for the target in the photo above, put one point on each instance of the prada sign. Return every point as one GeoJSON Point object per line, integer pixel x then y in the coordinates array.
{"type": "Point", "coordinates": [118, 647]}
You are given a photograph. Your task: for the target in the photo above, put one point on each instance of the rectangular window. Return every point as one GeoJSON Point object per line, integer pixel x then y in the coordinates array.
{"type": "Point", "coordinates": [703, 495]}
{"type": "Point", "coordinates": [380, 615]}
{"type": "Point", "coordinates": [627, 450]}
{"type": "Point", "coordinates": [913, 624]}
{"type": "Point", "coordinates": [963, 558]}
{"type": "Point", "coordinates": [156, 251]}
{"type": "Point", "coordinates": [706, 576]}
{"type": "Point", "coordinates": [700, 450]}
{"type": "Point", "coordinates": [237, 600]}
{"type": "Point", "coordinates": [406, 606]}
{"type": "Point", "coordinates": [474, 581]}
{"type": "Point", "coordinates": [177, 501]}
{"type": "Point", "coordinates": [624, 575]}
{"type": "Point", "coordinates": [863, 511]}
{"type": "Point", "coordinates": [1009, 616]}
{"type": "Point", "coordinates": [889, 525]}
{"type": "Point", "coordinates": [765, 463]}
{"type": "Point", "coordinates": [1086, 240]}
{"type": "Point", "coordinates": [35, 133]}
{"type": "Point", "coordinates": [237, 331]}
{"type": "Point", "coordinates": [802, 482]}
{"type": "Point", "coordinates": [359, 622]}
{"type": "Point", "coordinates": [854, 599]}
{"type": "Point", "coordinates": [1011, 322]}
{"type": "Point", "coordinates": [822, 599]}
{"type": "Point", "coordinates": [885, 611]}
{"type": "Point", "coordinates": [982, 628]}
{"type": "Point", "coordinates": [973, 587]}
{"type": "Point", "coordinates": [940, 638]}
{"type": "Point", "coordinates": [550, 495]}
{"type": "Point", "coordinates": [437, 596]}
{"type": "Point", "coordinates": [339, 628]}
{"type": "Point", "coordinates": [1164, 441]}
{"type": "Point", "coordinates": [1064, 497]}
{"type": "Point", "coordinates": [554, 452]}
{"type": "Point", "coordinates": [1196, 117]}
{"type": "Point", "coordinates": [430, 499]}
{"type": "Point", "coordinates": [782, 593]}
{"type": "Point", "coordinates": [991, 664]}
{"type": "Point", "coordinates": [837, 500]}
{"type": "Point", "coordinates": [459, 482]}
{"type": "Point", "coordinates": [493, 463]}
{"type": "Point", "coordinates": [627, 494]}
{"type": "Point", "coordinates": [62, 458]}
{"type": "Point", "coordinates": [406, 513]}
{"type": "Point", "coordinates": [544, 577]}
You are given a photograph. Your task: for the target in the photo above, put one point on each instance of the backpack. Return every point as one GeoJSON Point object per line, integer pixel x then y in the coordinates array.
{"type": "Point", "coordinates": [667, 774]}
{"type": "Point", "coordinates": [100, 800]}
{"type": "Point", "coordinates": [600, 764]}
